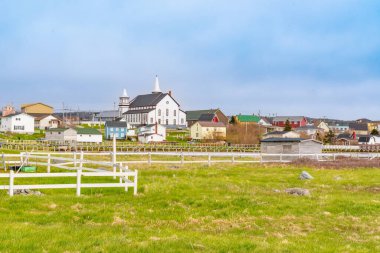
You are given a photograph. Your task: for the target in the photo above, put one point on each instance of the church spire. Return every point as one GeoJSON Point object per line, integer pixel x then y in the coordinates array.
{"type": "Point", "coordinates": [125, 94]}
{"type": "Point", "coordinates": [156, 86]}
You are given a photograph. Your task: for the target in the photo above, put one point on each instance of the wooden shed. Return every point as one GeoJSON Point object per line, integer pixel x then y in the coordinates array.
{"type": "Point", "coordinates": [290, 146]}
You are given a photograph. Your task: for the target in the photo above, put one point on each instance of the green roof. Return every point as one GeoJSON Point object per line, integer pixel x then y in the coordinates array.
{"type": "Point", "coordinates": [195, 115]}
{"type": "Point", "coordinates": [248, 118]}
{"type": "Point", "coordinates": [92, 131]}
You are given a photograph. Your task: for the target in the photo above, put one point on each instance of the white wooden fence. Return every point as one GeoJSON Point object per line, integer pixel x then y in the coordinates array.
{"type": "Point", "coordinates": [127, 178]}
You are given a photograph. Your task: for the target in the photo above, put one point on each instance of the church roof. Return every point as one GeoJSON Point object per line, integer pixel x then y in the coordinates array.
{"type": "Point", "coordinates": [138, 111]}
{"type": "Point", "coordinates": [147, 100]}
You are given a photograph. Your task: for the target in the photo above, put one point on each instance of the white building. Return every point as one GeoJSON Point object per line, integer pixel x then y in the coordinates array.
{"type": "Point", "coordinates": [157, 107]}
{"type": "Point", "coordinates": [46, 121]}
{"type": "Point", "coordinates": [21, 123]}
{"type": "Point", "coordinates": [74, 134]}
{"type": "Point", "coordinates": [61, 134]}
{"type": "Point", "coordinates": [151, 133]}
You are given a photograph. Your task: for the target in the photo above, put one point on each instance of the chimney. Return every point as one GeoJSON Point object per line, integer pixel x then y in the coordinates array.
{"type": "Point", "coordinates": [170, 93]}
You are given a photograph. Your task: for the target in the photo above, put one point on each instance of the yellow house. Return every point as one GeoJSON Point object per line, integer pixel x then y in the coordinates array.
{"type": "Point", "coordinates": [37, 108]}
{"type": "Point", "coordinates": [205, 130]}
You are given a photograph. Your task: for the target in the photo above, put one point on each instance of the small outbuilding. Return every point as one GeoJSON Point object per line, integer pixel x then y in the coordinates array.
{"type": "Point", "coordinates": [290, 146]}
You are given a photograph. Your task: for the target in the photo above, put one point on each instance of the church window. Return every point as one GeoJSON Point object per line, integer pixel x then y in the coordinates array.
{"type": "Point", "coordinates": [167, 122]}
{"type": "Point", "coordinates": [174, 122]}
{"type": "Point", "coordinates": [167, 112]}
{"type": "Point", "coordinates": [175, 112]}
{"type": "Point", "coordinates": [159, 112]}
{"type": "Point", "coordinates": [151, 120]}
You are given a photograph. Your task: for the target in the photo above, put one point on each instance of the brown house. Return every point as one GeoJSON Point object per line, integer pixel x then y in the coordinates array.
{"type": "Point", "coordinates": [37, 108]}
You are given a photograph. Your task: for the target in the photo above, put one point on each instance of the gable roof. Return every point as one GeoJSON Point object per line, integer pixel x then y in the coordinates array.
{"type": "Point", "coordinates": [147, 100]}
{"type": "Point", "coordinates": [211, 124]}
{"type": "Point", "coordinates": [116, 124]}
{"type": "Point", "coordinates": [17, 114]}
{"type": "Point", "coordinates": [207, 117]}
{"type": "Point", "coordinates": [88, 130]}
{"type": "Point", "coordinates": [38, 103]}
{"type": "Point", "coordinates": [248, 118]}
{"type": "Point", "coordinates": [57, 129]}
{"type": "Point", "coordinates": [138, 111]}
{"type": "Point", "coordinates": [195, 115]}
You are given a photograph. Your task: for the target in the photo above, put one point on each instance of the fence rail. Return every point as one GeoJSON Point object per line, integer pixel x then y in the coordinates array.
{"type": "Point", "coordinates": [127, 178]}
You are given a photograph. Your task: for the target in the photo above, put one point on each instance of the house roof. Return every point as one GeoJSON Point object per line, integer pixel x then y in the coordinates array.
{"type": "Point", "coordinates": [248, 118]}
{"type": "Point", "coordinates": [359, 126]}
{"type": "Point", "coordinates": [364, 138]}
{"type": "Point", "coordinates": [14, 115]}
{"type": "Point", "coordinates": [345, 136]}
{"type": "Point", "coordinates": [211, 124]}
{"type": "Point", "coordinates": [195, 115]}
{"type": "Point", "coordinates": [290, 118]}
{"type": "Point", "coordinates": [107, 114]}
{"type": "Point", "coordinates": [207, 117]}
{"type": "Point", "coordinates": [38, 103]}
{"type": "Point", "coordinates": [138, 111]}
{"type": "Point", "coordinates": [57, 129]}
{"type": "Point", "coordinates": [116, 124]}
{"type": "Point", "coordinates": [87, 130]}
{"type": "Point", "coordinates": [147, 99]}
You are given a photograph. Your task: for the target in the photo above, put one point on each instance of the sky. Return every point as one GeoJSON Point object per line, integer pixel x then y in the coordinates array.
{"type": "Point", "coordinates": [294, 57]}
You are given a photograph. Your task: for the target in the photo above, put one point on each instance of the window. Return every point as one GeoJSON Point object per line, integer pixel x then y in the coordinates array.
{"type": "Point", "coordinates": [182, 121]}
{"type": "Point", "coordinates": [159, 121]}
{"type": "Point", "coordinates": [151, 120]}
{"type": "Point", "coordinates": [167, 122]}
{"type": "Point", "coordinates": [174, 122]}
{"type": "Point", "coordinates": [19, 128]}
{"type": "Point", "coordinates": [175, 112]}
{"type": "Point", "coordinates": [167, 112]}
{"type": "Point", "coordinates": [159, 112]}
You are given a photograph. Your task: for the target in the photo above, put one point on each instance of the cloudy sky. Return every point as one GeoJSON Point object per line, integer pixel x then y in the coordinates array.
{"type": "Point", "coordinates": [294, 57]}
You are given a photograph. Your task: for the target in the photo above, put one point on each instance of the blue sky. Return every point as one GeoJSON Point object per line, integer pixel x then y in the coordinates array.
{"type": "Point", "coordinates": [294, 57]}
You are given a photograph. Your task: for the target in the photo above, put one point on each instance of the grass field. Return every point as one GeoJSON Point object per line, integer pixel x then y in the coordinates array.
{"type": "Point", "coordinates": [223, 208]}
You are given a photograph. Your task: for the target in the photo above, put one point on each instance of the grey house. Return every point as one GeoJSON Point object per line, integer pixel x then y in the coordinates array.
{"type": "Point", "coordinates": [290, 146]}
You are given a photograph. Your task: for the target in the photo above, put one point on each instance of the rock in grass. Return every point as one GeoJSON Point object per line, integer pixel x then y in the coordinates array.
{"type": "Point", "coordinates": [26, 192]}
{"type": "Point", "coordinates": [298, 191]}
{"type": "Point", "coordinates": [305, 176]}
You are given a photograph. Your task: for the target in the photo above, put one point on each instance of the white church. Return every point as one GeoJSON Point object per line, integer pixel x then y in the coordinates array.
{"type": "Point", "coordinates": [148, 109]}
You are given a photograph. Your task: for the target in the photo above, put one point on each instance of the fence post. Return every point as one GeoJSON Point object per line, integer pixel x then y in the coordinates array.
{"type": "Point", "coordinates": [11, 182]}
{"type": "Point", "coordinates": [121, 170]}
{"type": "Point", "coordinates": [209, 159]}
{"type": "Point", "coordinates": [75, 159]}
{"type": "Point", "coordinates": [233, 158]}
{"type": "Point", "coordinates": [126, 178]}
{"type": "Point", "coordinates": [135, 184]}
{"type": "Point", "coordinates": [4, 163]}
{"type": "Point", "coordinates": [48, 163]}
{"type": "Point", "coordinates": [281, 158]}
{"type": "Point", "coordinates": [182, 158]}
{"type": "Point", "coordinates": [79, 174]}
{"type": "Point", "coordinates": [114, 153]}
{"type": "Point", "coordinates": [81, 159]}
{"type": "Point", "coordinates": [149, 158]}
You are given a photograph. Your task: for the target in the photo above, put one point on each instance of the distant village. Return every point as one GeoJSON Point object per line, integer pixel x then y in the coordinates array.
{"type": "Point", "coordinates": [148, 118]}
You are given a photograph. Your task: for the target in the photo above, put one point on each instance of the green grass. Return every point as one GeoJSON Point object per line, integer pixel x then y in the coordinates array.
{"type": "Point", "coordinates": [223, 208]}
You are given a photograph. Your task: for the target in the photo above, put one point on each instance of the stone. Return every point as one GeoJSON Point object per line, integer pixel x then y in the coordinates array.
{"type": "Point", "coordinates": [305, 176]}
{"type": "Point", "coordinates": [27, 192]}
{"type": "Point", "coordinates": [298, 191]}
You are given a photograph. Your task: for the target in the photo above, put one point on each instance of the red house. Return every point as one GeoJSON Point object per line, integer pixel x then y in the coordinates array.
{"type": "Point", "coordinates": [295, 121]}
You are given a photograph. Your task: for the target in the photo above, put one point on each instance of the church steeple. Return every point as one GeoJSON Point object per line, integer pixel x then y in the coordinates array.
{"type": "Point", "coordinates": [123, 103]}
{"type": "Point", "coordinates": [156, 86]}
